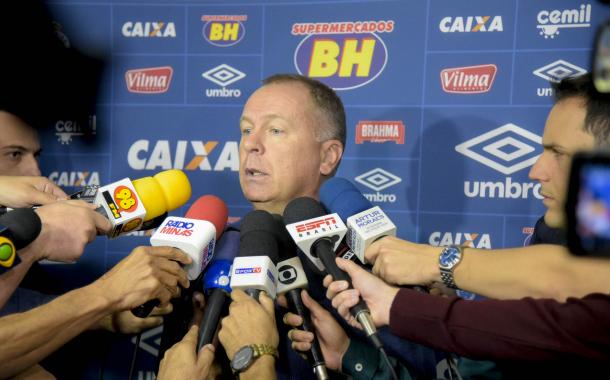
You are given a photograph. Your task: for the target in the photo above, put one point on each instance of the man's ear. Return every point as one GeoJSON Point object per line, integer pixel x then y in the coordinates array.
{"type": "Point", "coordinates": [331, 153]}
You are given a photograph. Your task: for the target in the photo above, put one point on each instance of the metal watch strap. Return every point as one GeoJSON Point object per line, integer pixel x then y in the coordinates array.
{"type": "Point", "coordinates": [264, 349]}
{"type": "Point", "coordinates": [447, 273]}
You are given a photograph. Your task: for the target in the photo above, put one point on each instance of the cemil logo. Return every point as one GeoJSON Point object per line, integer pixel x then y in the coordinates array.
{"type": "Point", "coordinates": [464, 239]}
{"type": "Point", "coordinates": [378, 180]}
{"type": "Point", "coordinates": [506, 149]}
{"type": "Point", "coordinates": [154, 80]}
{"type": "Point", "coordinates": [551, 21]}
{"type": "Point", "coordinates": [468, 79]}
{"type": "Point", "coordinates": [143, 156]}
{"type": "Point", "coordinates": [224, 30]}
{"type": "Point", "coordinates": [471, 24]}
{"type": "Point", "coordinates": [66, 129]}
{"type": "Point", "coordinates": [149, 29]}
{"type": "Point", "coordinates": [343, 55]}
{"type": "Point", "coordinates": [223, 75]}
{"type": "Point", "coordinates": [75, 179]}
{"type": "Point", "coordinates": [380, 131]}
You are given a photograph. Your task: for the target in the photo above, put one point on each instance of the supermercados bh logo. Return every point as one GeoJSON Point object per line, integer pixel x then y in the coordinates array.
{"type": "Point", "coordinates": [65, 130]}
{"type": "Point", "coordinates": [464, 239]}
{"type": "Point", "coordinates": [343, 55]}
{"type": "Point", "coordinates": [223, 76]}
{"type": "Point", "coordinates": [224, 30]}
{"type": "Point", "coordinates": [551, 22]}
{"type": "Point", "coordinates": [185, 155]}
{"type": "Point", "coordinates": [149, 29]}
{"type": "Point", "coordinates": [152, 80]}
{"type": "Point", "coordinates": [469, 79]}
{"type": "Point", "coordinates": [379, 180]}
{"type": "Point", "coordinates": [554, 72]}
{"type": "Point", "coordinates": [507, 150]}
{"type": "Point", "coordinates": [471, 24]}
{"type": "Point", "coordinates": [380, 131]}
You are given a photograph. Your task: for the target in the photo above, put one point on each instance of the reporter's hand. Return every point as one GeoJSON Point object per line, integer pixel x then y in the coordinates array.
{"type": "Point", "coordinates": [27, 191]}
{"type": "Point", "coordinates": [147, 273]}
{"type": "Point", "coordinates": [67, 227]}
{"type": "Point", "coordinates": [401, 262]}
{"type": "Point", "coordinates": [183, 362]}
{"type": "Point", "coordinates": [377, 295]}
{"type": "Point", "coordinates": [248, 322]}
{"type": "Point", "coordinates": [333, 340]}
{"type": "Point", "coordinates": [125, 322]}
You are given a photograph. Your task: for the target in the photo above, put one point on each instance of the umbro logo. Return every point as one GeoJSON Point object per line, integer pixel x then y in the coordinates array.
{"type": "Point", "coordinates": [558, 70]}
{"type": "Point", "coordinates": [223, 75]}
{"type": "Point", "coordinates": [378, 179]}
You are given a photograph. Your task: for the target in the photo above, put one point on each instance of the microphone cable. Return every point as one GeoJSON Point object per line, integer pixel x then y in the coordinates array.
{"type": "Point", "coordinates": [386, 359]}
{"type": "Point", "coordinates": [134, 356]}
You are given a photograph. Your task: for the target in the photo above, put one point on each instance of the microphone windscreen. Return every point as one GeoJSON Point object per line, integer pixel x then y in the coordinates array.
{"type": "Point", "coordinates": [338, 195]}
{"type": "Point", "coordinates": [227, 247]}
{"type": "Point", "coordinates": [286, 244]}
{"type": "Point", "coordinates": [24, 225]}
{"type": "Point", "coordinates": [165, 191]}
{"type": "Point", "coordinates": [258, 235]}
{"type": "Point", "coordinates": [212, 209]}
{"type": "Point", "coordinates": [302, 208]}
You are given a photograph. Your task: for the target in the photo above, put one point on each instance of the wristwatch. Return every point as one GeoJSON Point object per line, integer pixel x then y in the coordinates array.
{"type": "Point", "coordinates": [449, 258]}
{"type": "Point", "coordinates": [245, 356]}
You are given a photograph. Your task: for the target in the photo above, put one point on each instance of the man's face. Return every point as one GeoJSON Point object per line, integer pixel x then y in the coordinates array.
{"type": "Point", "coordinates": [279, 157]}
{"type": "Point", "coordinates": [563, 136]}
{"type": "Point", "coordinates": [19, 147]}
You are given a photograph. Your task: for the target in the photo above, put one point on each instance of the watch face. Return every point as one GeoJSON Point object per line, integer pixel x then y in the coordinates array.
{"type": "Point", "coordinates": [242, 358]}
{"type": "Point", "coordinates": [449, 257]}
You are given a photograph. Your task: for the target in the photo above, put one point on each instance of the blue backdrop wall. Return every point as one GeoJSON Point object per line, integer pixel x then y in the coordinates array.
{"type": "Point", "coordinates": [446, 103]}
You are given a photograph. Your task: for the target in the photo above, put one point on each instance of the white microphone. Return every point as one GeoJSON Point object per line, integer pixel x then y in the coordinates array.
{"type": "Point", "coordinates": [254, 273]}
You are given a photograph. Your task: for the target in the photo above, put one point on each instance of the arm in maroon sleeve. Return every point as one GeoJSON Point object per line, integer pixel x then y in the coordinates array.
{"type": "Point", "coordinates": [525, 329]}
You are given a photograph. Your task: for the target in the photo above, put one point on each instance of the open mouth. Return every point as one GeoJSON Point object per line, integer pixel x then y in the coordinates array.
{"type": "Point", "coordinates": [254, 173]}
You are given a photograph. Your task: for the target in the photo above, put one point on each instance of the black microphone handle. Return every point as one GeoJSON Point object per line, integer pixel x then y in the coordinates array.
{"type": "Point", "coordinates": [323, 250]}
{"type": "Point", "coordinates": [295, 302]}
{"type": "Point", "coordinates": [254, 293]}
{"type": "Point", "coordinates": [211, 316]}
{"type": "Point", "coordinates": [144, 310]}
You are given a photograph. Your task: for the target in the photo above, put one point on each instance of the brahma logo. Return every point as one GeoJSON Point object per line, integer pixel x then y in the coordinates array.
{"type": "Point", "coordinates": [471, 24]}
{"type": "Point", "coordinates": [380, 131]}
{"type": "Point", "coordinates": [555, 72]}
{"type": "Point", "coordinates": [378, 179]}
{"type": "Point", "coordinates": [149, 29]}
{"type": "Point", "coordinates": [343, 55]}
{"type": "Point", "coordinates": [153, 80]}
{"type": "Point", "coordinates": [161, 156]}
{"type": "Point", "coordinates": [223, 75]}
{"type": "Point", "coordinates": [468, 79]}
{"type": "Point", "coordinates": [66, 129]}
{"type": "Point", "coordinates": [464, 239]}
{"type": "Point", "coordinates": [506, 149]}
{"type": "Point", "coordinates": [75, 179]}
{"type": "Point", "coordinates": [549, 22]}
{"type": "Point", "coordinates": [224, 30]}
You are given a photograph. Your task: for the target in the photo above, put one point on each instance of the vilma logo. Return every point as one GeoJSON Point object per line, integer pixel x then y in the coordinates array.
{"type": "Point", "coordinates": [153, 80]}
{"type": "Point", "coordinates": [343, 55]}
{"type": "Point", "coordinates": [506, 149]}
{"type": "Point", "coordinates": [468, 79]}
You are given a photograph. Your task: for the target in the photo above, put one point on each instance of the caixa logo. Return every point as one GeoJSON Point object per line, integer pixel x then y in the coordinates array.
{"type": "Point", "coordinates": [149, 29]}
{"type": "Point", "coordinates": [186, 155]}
{"type": "Point", "coordinates": [466, 239]}
{"type": "Point", "coordinates": [343, 55]}
{"type": "Point", "coordinates": [506, 149]}
{"type": "Point", "coordinates": [378, 180]}
{"type": "Point", "coordinates": [224, 30]}
{"type": "Point", "coordinates": [75, 179]}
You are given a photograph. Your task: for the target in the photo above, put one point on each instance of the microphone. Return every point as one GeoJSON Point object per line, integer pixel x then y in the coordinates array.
{"type": "Point", "coordinates": [254, 269]}
{"type": "Point", "coordinates": [195, 235]}
{"type": "Point", "coordinates": [128, 204]}
{"type": "Point", "coordinates": [216, 286]}
{"type": "Point", "coordinates": [365, 223]}
{"type": "Point", "coordinates": [291, 280]}
{"type": "Point", "coordinates": [18, 228]}
{"type": "Point", "coordinates": [318, 235]}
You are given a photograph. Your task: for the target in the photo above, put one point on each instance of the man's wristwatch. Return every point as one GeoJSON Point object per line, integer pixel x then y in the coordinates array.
{"type": "Point", "coordinates": [449, 258]}
{"type": "Point", "coordinates": [245, 356]}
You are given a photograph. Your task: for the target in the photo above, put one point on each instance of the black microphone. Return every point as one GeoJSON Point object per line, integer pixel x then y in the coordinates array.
{"type": "Point", "coordinates": [318, 235]}
{"type": "Point", "coordinates": [18, 228]}
{"type": "Point", "coordinates": [254, 270]}
{"type": "Point", "coordinates": [216, 281]}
